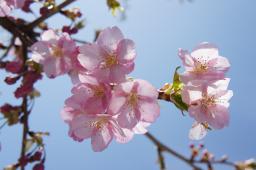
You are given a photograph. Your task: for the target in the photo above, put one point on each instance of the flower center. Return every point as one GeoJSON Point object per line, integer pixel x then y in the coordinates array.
{"type": "Point", "coordinates": [98, 91]}
{"type": "Point", "coordinates": [207, 101]}
{"type": "Point", "coordinates": [99, 123]}
{"type": "Point", "coordinates": [133, 99]}
{"type": "Point", "coordinates": [110, 61]}
{"type": "Point", "coordinates": [57, 51]}
{"type": "Point", "coordinates": [201, 65]}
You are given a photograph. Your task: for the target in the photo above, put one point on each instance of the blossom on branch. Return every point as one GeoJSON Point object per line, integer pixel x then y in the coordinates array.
{"type": "Point", "coordinates": [111, 58]}
{"type": "Point", "coordinates": [104, 103]}
{"type": "Point", "coordinates": [203, 63]}
{"type": "Point", "coordinates": [56, 53]}
{"type": "Point", "coordinates": [208, 102]}
{"type": "Point", "coordinates": [205, 88]}
{"type": "Point", "coordinates": [134, 101]}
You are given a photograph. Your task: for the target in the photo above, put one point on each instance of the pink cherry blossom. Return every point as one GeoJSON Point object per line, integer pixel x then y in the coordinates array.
{"type": "Point", "coordinates": [56, 53]}
{"type": "Point", "coordinates": [134, 101]}
{"type": "Point", "coordinates": [101, 128]}
{"type": "Point", "coordinates": [7, 5]}
{"type": "Point", "coordinates": [110, 58]}
{"type": "Point", "coordinates": [208, 102]}
{"type": "Point", "coordinates": [203, 63]}
{"type": "Point", "coordinates": [5, 9]}
{"type": "Point", "coordinates": [16, 3]}
{"type": "Point", "coordinates": [90, 96]}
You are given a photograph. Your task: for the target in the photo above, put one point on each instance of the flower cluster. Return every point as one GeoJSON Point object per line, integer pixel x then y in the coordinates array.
{"type": "Point", "coordinates": [105, 104]}
{"type": "Point", "coordinates": [205, 88]}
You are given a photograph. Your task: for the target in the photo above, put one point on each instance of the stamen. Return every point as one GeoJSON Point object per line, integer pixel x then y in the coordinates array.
{"type": "Point", "coordinates": [98, 91]}
{"type": "Point", "coordinates": [98, 124]}
{"type": "Point", "coordinates": [56, 51]}
{"type": "Point", "coordinates": [133, 99]}
{"type": "Point", "coordinates": [110, 61]}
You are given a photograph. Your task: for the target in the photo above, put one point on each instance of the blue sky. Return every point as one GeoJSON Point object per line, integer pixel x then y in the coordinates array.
{"type": "Point", "coordinates": [159, 28]}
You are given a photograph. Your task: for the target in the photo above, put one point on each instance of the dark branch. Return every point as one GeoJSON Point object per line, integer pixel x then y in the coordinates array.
{"type": "Point", "coordinates": [170, 151]}
{"type": "Point", "coordinates": [49, 14]}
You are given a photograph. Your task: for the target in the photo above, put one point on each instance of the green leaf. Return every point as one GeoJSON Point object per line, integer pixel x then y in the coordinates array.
{"type": "Point", "coordinates": [177, 100]}
{"type": "Point", "coordinates": [177, 84]}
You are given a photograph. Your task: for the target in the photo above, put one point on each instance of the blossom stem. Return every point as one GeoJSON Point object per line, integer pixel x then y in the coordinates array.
{"type": "Point", "coordinates": [25, 129]}
{"type": "Point", "coordinates": [161, 158]}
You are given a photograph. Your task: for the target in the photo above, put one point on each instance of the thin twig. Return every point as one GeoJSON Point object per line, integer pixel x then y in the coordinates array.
{"type": "Point", "coordinates": [57, 9]}
{"type": "Point", "coordinates": [160, 158]}
{"type": "Point", "coordinates": [171, 151]}
{"type": "Point", "coordinates": [25, 114]}
{"type": "Point", "coordinates": [8, 48]}
{"type": "Point", "coordinates": [80, 41]}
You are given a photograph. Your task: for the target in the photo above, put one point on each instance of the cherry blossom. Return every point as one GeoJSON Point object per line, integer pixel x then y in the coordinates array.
{"type": "Point", "coordinates": [90, 96]}
{"type": "Point", "coordinates": [7, 5]}
{"type": "Point", "coordinates": [101, 128]}
{"type": "Point", "coordinates": [208, 102]}
{"type": "Point", "coordinates": [134, 101]}
{"type": "Point", "coordinates": [5, 9]}
{"type": "Point", "coordinates": [56, 53]}
{"type": "Point", "coordinates": [203, 63]}
{"type": "Point", "coordinates": [110, 58]}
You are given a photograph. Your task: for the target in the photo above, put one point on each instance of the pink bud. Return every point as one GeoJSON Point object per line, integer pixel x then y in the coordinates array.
{"type": "Point", "coordinates": [11, 80]}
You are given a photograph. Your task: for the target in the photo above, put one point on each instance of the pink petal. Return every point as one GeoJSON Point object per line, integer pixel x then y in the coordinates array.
{"type": "Point", "coordinates": [126, 87]}
{"type": "Point", "coordinates": [49, 35]}
{"type": "Point", "coordinates": [40, 50]}
{"type": "Point", "coordinates": [205, 50]}
{"type": "Point", "coordinates": [145, 89]}
{"type": "Point", "coordinates": [190, 94]}
{"type": "Point", "coordinates": [4, 9]}
{"type": "Point", "coordinates": [149, 111]}
{"type": "Point", "coordinates": [218, 117]}
{"type": "Point", "coordinates": [224, 98]}
{"type": "Point", "coordinates": [197, 132]}
{"type": "Point", "coordinates": [128, 118]}
{"type": "Point", "coordinates": [128, 135]}
{"type": "Point", "coordinates": [126, 51]}
{"type": "Point", "coordinates": [66, 114]}
{"type": "Point", "coordinates": [80, 126]}
{"type": "Point", "coordinates": [222, 63]}
{"type": "Point", "coordinates": [117, 74]}
{"type": "Point", "coordinates": [90, 56]}
{"type": "Point", "coordinates": [140, 128]}
{"type": "Point", "coordinates": [101, 139]}
{"type": "Point", "coordinates": [52, 67]}
{"type": "Point", "coordinates": [186, 58]}
{"type": "Point", "coordinates": [109, 39]}
{"type": "Point", "coordinates": [116, 103]}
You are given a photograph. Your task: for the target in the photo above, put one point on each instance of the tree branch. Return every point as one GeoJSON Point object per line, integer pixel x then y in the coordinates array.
{"type": "Point", "coordinates": [170, 151]}
{"type": "Point", "coordinates": [57, 9]}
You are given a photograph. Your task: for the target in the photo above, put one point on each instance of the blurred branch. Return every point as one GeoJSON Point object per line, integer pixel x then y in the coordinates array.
{"type": "Point", "coordinates": [25, 36]}
{"type": "Point", "coordinates": [57, 9]}
{"type": "Point", "coordinates": [208, 162]}
{"type": "Point", "coordinates": [165, 148]}
{"type": "Point", "coordinates": [7, 50]}
{"type": "Point", "coordinates": [161, 158]}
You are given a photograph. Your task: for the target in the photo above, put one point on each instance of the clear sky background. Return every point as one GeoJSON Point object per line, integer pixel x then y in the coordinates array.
{"type": "Point", "coordinates": [159, 28]}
